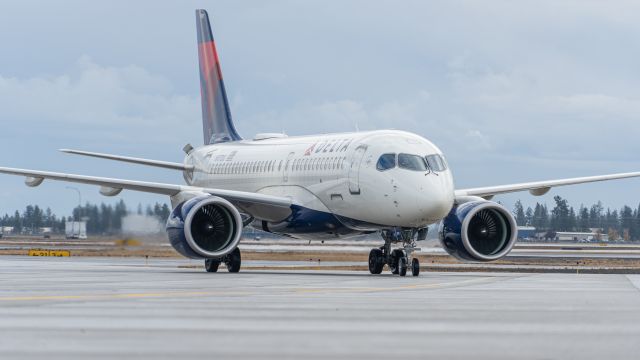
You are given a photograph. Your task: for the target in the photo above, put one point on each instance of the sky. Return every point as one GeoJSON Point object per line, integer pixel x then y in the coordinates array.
{"type": "Point", "coordinates": [510, 91]}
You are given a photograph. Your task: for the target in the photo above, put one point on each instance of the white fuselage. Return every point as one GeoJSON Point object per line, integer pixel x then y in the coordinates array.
{"type": "Point", "coordinates": [334, 173]}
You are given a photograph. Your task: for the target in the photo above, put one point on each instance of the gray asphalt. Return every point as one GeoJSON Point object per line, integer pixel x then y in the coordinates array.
{"type": "Point", "coordinates": [78, 308]}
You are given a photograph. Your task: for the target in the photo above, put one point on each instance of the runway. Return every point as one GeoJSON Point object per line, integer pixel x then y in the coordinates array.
{"type": "Point", "coordinates": [76, 308]}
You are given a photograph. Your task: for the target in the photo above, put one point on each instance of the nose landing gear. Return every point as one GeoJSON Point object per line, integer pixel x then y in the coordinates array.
{"type": "Point", "coordinates": [397, 259]}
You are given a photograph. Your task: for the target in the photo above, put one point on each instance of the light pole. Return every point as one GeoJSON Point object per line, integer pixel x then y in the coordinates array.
{"type": "Point", "coordinates": [79, 208]}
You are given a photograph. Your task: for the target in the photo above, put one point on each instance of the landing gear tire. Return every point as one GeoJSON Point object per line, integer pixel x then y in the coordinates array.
{"type": "Point", "coordinates": [402, 266]}
{"type": "Point", "coordinates": [233, 261]}
{"type": "Point", "coordinates": [376, 261]}
{"type": "Point", "coordinates": [415, 267]}
{"type": "Point", "coordinates": [211, 265]}
{"type": "Point", "coordinates": [394, 263]}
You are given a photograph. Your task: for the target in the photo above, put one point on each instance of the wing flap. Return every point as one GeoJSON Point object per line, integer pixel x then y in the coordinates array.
{"type": "Point", "coordinates": [541, 187]}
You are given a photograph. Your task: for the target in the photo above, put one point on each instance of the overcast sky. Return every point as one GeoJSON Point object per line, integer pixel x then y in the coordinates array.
{"type": "Point", "coordinates": [511, 91]}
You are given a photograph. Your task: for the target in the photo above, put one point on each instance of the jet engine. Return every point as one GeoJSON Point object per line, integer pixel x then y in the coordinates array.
{"type": "Point", "coordinates": [478, 231]}
{"type": "Point", "coordinates": [204, 227]}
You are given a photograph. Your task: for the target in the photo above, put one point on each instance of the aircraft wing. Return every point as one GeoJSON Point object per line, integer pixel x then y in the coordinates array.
{"type": "Point", "coordinates": [539, 187]}
{"type": "Point", "coordinates": [133, 160]}
{"type": "Point", "coordinates": [114, 186]}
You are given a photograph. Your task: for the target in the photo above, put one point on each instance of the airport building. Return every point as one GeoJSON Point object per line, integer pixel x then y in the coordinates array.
{"type": "Point", "coordinates": [581, 236]}
{"type": "Point", "coordinates": [526, 232]}
{"type": "Point", "coordinates": [529, 233]}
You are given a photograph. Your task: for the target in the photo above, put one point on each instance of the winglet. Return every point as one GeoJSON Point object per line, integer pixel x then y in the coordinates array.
{"type": "Point", "coordinates": [216, 115]}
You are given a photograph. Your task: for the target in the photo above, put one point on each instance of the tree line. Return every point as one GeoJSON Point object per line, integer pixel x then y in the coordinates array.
{"type": "Point", "coordinates": [101, 219]}
{"type": "Point", "coordinates": [618, 224]}
{"type": "Point", "coordinates": [621, 223]}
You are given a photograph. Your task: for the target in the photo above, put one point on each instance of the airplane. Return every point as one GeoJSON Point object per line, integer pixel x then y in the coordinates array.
{"type": "Point", "coordinates": [322, 187]}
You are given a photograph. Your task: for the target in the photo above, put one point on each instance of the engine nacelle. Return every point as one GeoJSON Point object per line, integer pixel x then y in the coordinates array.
{"type": "Point", "coordinates": [204, 227]}
{"type": "Point", "coordinates": [478, 231]}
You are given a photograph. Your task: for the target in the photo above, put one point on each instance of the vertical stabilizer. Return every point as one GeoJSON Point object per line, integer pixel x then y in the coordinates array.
{"type": "Point", "coordinates": [216, 115]}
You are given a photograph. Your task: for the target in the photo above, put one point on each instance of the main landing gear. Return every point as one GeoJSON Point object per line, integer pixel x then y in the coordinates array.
{"type": "Point", "coordinates": [232, 261]}
{"type": "Point", "coordinates": [397, 259]}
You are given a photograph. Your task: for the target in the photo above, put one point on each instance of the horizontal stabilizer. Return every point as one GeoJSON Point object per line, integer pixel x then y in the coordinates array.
{"type": "Point", "coordinates": [133, 160]}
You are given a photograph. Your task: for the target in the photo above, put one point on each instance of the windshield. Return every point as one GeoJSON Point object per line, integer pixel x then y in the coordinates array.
{"type": "Point", "coordinates": [386, 162]}
{"type": "Point", "coordinates": [412, 162]}
{"type": "Point", "coordinates": [436, 162]}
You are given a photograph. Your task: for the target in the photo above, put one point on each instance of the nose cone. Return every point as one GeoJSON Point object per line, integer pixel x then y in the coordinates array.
{"type": "Point", "coordinates": [438, 197]}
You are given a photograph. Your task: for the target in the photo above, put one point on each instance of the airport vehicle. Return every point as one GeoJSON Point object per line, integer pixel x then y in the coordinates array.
{"type": "Point", "coordinates": [75, 229]}
{"type": "Point", "coordinates": [316, 187]}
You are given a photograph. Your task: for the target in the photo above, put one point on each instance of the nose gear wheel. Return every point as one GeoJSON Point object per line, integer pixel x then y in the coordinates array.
{"type": "Point", "coordinates": [397, 259]}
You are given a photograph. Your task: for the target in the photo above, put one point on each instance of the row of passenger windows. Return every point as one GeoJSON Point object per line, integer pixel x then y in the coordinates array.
{"type": "Point", "coordinates": [315, 164]}
{"type": "Point", "coordinates": [309, 164]}
{"type": "Point", "coordinates": [411, 162]}
{"type": "Point", "coordinates": [245, 167]}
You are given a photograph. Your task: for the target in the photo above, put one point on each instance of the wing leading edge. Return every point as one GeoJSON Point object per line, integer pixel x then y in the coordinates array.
{"type": "Point", "coordinates": [112, 187]}
{"type": "Point", "coordinates": [129, 159]}
{"type": "Point", "coordinates": [540, 187]}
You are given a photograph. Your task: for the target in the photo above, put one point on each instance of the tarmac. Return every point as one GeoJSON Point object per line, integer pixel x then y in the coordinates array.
{"type": "Point", "coordinates": [79, 308]}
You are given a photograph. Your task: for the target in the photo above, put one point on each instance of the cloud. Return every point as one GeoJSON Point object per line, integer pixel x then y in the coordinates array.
{"type": "Point", "coordinates": [105, 102]}
{"type": "Point", "coordinates": [511, 91]}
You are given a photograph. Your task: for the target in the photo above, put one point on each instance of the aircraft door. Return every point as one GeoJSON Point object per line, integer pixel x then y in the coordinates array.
{"type": "Point", "coordinates": [354, 169]}
{"type": "Point", "coordinates": [287, 167]}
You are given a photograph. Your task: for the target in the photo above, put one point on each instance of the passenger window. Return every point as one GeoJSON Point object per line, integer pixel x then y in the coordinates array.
{"type": "Point", "coordinates": [412, 162]}
{"type": "Point", "coordinates": [386, 162]}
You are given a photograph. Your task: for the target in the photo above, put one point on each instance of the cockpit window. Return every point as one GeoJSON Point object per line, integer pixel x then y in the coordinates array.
{"type": "Point", "coordinates": [386, 162]}
{"type": "Point", "coordinates": [412, 162]}
{"type": "Point", "coordinates": [436, 162]}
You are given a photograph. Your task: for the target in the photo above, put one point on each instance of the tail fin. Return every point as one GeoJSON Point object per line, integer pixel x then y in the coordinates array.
{"type": "Point", "coordinates": [216, 115]}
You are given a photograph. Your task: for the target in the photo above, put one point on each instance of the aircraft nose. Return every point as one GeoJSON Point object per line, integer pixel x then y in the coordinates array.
{"type": "Point", "coordinates": [438, 197]}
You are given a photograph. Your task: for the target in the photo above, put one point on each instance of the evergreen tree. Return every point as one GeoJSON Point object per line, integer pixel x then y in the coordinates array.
{"type": "Point", "coordinates": [560, 215]}
{"type": "Point", "coordinates": [529, 216]}
{"type": "Point", "coordinates": [17, 222]}
{"type": "Point", "coordinates": [119, 212]}
{"type": "Point", "coordinates": [519, 213]}
{"type": "Point", "coordinates": [584, 220]}
{"type": "Point", "coordinates": [596, 216]}
{"type": "Point", "coordinates": [571, 221]}
{"type": "Point", "coordinates": [165, 211]}
{"type": "Point", "coordinates": [627, 223]}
